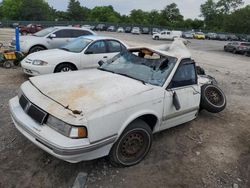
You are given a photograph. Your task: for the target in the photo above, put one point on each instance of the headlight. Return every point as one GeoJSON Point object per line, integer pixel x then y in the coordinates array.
{"type": "Point", "coordinates": [66, 129]}
{"type": "Point", "coordinates": [39, 62]}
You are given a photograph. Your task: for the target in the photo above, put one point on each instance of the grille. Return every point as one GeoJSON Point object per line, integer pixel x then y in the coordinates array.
{"type": "Point", "coordinates": [32, 110]}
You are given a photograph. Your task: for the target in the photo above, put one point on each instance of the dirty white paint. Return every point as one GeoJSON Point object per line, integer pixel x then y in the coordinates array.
{"type": "Point", "coordinates": [109, 102]}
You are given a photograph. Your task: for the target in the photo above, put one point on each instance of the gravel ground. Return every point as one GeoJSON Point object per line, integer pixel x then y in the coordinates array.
{"type": "Point", "coordinates": [211, 151]}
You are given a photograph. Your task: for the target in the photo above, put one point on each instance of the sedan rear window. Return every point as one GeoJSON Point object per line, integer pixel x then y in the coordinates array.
{"type": "Point", "coordinates": [45, 32]}
{"type": "Point", "coordinates": [77, 45]}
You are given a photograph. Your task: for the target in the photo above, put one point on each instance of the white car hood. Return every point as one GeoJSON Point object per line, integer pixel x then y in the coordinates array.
{"type": "Point", "coordinates": [48, 55]}
{"type": "Point", "coordinates": [88, 90]}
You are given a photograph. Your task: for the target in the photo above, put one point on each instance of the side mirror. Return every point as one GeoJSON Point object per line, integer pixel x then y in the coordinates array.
{"type": "Point", "coordinates": [51, 36]}
{"type": "Point", "coordinates": [100, 63]}
{"type": "Point", "coordinates": [176, 101]}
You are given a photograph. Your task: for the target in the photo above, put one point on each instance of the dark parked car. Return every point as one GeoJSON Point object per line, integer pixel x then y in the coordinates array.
{"type": "Point", "coordinates": [237, 47]}
{"type": "Point", "coordinates": [187, 35]}
{"type": "Point", "coordinates": [247, 52]}
{"type": "Point", "coordinates": [211, 36]}
{"type": "Point", "coordinates": [111, 28]}
{"type": "Point", "coordinates": [31, 28]}
{"type": "Point", "coordinates": [232, 37]}
{"type": "Point", "coordinates": [101, 27]}
{"type": "Point", "coordinates": [242, 38]}
{"type": "Point", "coordinates": [128, 29]}
{"type": "Point", "coordinates": [221, 37]}
{"type": "Point", "coordinates": [1, 25]}
{"type": "Point", "coordinates": [145, 30]}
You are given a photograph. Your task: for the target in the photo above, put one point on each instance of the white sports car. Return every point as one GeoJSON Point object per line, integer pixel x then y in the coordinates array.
{"type": "Point", "coordinates": [115, 109]}
{"type": "Point", "coordinates": [83, 52]}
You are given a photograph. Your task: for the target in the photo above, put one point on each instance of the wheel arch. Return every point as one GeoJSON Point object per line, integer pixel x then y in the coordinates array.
{"type": "Point", "coordinates": [74, 65]}
{"type": "Point", "coordinates": [38, 45]}
{"type": "Point", "coordinates": [149, 117]}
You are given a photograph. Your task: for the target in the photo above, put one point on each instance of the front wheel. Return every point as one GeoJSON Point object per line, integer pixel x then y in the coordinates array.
{"type": "Point", "coordinates": [212, 98]}
{"type": "Point", "coordinates": [65, 67]}
{"type": "Point", "coordinates": [36, 49]}
{"type": "Point", "coordinates": [132, 146]}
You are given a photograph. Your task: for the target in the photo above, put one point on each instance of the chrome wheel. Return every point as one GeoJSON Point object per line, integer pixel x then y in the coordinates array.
{"type": "Point", "coordinates": [214, 96]}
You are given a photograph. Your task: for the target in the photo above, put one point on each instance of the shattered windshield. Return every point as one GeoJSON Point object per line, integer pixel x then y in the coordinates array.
{"type": "Point", "coordinates": [148, 68]}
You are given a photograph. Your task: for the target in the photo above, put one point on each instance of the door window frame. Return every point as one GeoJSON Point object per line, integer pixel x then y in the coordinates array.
{"type": "Point", "coordinates": [183, 62]}
{"type": "Point", "coordinates": [106, 48]}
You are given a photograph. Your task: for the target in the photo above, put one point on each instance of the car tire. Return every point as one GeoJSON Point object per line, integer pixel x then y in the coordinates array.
{"type": "Point", "coordinates": [132, 146]}
{"type": "Point", "coordinates": [234, 51]}
{"type": "Point", "coordinates": [65, 67]}
{"type": "Point", "coordinates": [212, 98]}
{"type": "Point", "coordinates": [36, 49]}
{"type": "Point", "coordinates": [156, 38]}
{"type": "Point", "coordinates": [225, 49]}
{"type": "Point", "coordinates": [8, 64]}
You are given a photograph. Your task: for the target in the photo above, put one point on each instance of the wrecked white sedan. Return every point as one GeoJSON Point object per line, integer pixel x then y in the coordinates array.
{"type": "Point", "coordinates": [115, 109]}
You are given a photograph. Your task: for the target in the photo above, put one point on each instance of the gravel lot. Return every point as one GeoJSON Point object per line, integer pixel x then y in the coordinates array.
{"type": "Point", "coordinates": [211, 151]}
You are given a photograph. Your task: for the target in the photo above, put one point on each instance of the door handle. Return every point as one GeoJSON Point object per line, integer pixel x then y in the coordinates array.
{"type": "Point", "coordinates": [105, 57]}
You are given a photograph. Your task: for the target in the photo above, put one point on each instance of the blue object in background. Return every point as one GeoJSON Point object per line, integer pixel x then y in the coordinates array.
{"type": "Point", "coordinates": [17, 39]}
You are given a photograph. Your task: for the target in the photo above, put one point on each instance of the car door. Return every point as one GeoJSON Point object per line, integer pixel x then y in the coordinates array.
{"type": "Point", "coordinates": [93, 54]}
{"type": "Point", "coordinates": [184, 89]}
{"type": "Point", "coordinates": [62, 37]}
{"type": "Point", "coordinates": [168, 35]}
{"type": "Point", "coordinates": [114, 47]}
{"type": "Point", "coordinates": [163, 35]}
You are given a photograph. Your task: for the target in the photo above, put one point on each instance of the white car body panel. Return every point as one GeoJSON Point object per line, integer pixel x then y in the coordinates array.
{"type": "Point", "coordinates": [167, 35]}
{"type": "Point", "coordinates": [107, 103]}
{"type": "Point", "coordinates": [27, 42]}
{"type": "Point", "coordinates": [55, 57]}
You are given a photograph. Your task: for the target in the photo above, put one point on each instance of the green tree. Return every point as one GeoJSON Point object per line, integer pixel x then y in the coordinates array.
{"type": "Point", "coordinates": [139, 17]}
{"type": "Point", "coordinates": [35, 10]}
{"type": "Point", "coordinates": [238, 21]}
{"type": "Point", "coordinates": [170, 15]}
{"type": "Point", "coordinates": [10, 9]}
{"type": "Point", "coordinates": [154, 17]}
{"type": "Point", "coordinates": [227, 6]}
{"type": "Point", "coordinates": [76, 12]}
{"type": "Point", "coordinates": [105, 14]}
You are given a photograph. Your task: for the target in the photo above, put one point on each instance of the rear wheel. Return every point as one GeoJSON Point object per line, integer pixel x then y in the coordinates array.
{"type": "Point", "coordinates": [212, 98]}
{"type": "Point", "coordinates": [133, 145]}
{"type": "Point", "coordinates": [36, 49]}
{"type": "Point", "coordinates": [234, 51]}
{"type": "Point", "coordinates": [65, 67]}
{"type": "Point", "coordinates": [157, 38]}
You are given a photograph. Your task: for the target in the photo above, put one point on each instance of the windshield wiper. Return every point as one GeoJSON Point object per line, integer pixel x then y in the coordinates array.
{"type": "Point", "coordinates": [142, 81]}
{"type": "Point", "coordinates": [64, 49]}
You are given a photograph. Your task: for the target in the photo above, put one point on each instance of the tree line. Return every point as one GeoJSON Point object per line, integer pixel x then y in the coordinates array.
{"type": "Point", "coordinates": [216, 15]}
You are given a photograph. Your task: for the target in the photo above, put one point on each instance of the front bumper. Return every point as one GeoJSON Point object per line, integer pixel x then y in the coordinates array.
{"type": "Point", "coordinates": [71, 150]}
{"type": "Point", "coordinates": [35, 70]}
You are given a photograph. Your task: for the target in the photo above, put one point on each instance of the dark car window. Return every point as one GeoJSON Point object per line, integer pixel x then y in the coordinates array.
{"type": "Point", "coordinates": [97, 48]}
{"type": "Point", "coordinates": [78, 33]}
{"type": "Point", "coordinates": [64, 33]}
{"type": "Point", "coordinates": [245, 44]}
{"type": "Point", "coordinates": [168, 33]}
{"type": "Point", "coordinates": [114, 46]}
{"type": "Point", "coordinates": [185, 75]}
